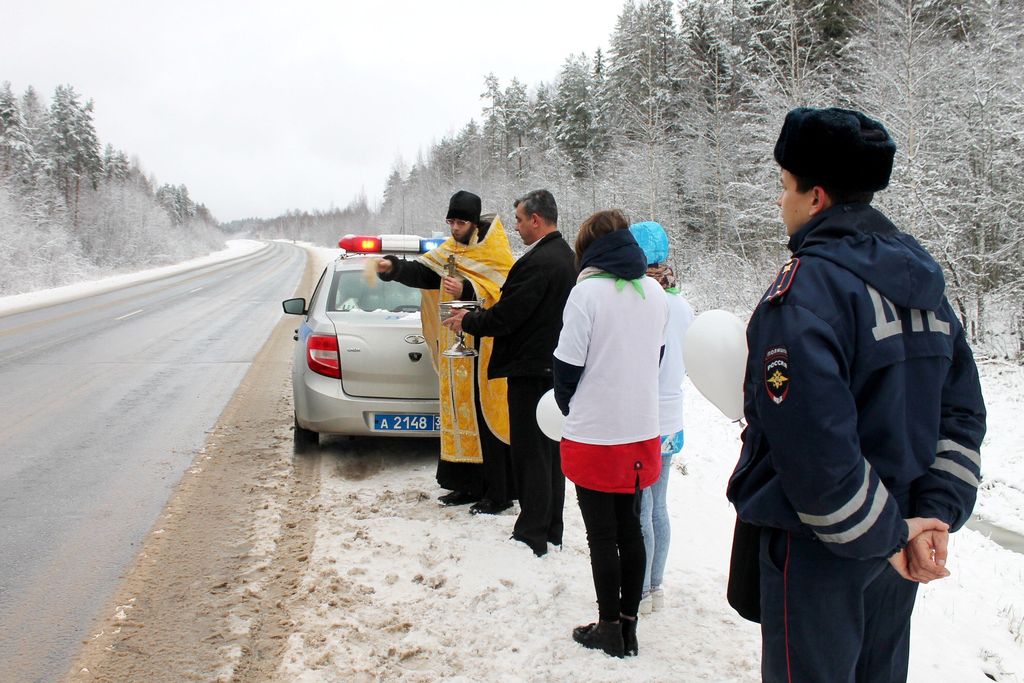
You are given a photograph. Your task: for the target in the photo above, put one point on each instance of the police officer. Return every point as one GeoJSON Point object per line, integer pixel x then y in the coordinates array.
{"type": "Point", "coordinates": [864, 415]}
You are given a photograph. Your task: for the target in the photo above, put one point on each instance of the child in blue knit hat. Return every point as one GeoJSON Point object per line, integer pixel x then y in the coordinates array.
{"type": "Point", "coordinates": [654, 519]}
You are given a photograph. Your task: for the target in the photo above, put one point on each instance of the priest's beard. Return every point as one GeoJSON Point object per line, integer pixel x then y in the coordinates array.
{"type": "Point", "coordinates": [466, 238]}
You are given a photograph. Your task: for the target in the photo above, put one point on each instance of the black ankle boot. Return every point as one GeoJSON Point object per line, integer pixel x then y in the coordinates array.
{"type": "Point", "coordinates": [604, 635]}
{"type": "Point", "coordinates": [629, 644]}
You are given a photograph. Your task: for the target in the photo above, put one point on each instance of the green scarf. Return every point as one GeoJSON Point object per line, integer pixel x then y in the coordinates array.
{"type": "Point", "coordinates": [620, 283]}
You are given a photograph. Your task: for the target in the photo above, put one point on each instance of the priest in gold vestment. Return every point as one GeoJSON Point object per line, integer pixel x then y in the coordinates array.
{"type": "Point", "coordinates": [474, 464]}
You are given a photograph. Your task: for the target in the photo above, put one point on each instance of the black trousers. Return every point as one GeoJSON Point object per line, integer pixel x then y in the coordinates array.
{"type": "Point", "coordinates": [830, 619]}
{"type": "Point", "coordinates": [499, 484]}
{"type": "Point", "coordinates": [617, 556]}
{"type": "Point", "coordinates": [536, 467]}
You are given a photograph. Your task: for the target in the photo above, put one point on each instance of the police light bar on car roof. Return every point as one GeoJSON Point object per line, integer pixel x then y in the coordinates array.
{"type": "Point", "coordinates": [370, 244]}
{"type": "Point", "coordinates": [362, 244]}
{"type": "Point", "coordinates": [410, 243]}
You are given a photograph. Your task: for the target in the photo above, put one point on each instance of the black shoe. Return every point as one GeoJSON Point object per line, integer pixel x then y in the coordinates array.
{"type": "Point", "coordinates": [604, 635]}
{"type": "Point", "coordinates": [457, 498]}
{"type": "Point", "coordinates": [629, 644]}
{"type": "Point", "coordinates": [488, 507]}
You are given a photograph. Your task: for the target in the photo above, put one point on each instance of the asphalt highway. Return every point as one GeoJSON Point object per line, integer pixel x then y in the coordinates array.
{"type": "Point", "coordinates": [104, 402]}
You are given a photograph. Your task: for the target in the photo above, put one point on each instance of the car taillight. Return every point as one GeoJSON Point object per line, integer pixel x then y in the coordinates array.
{"type": "Point", "coordinates": [322, 355]}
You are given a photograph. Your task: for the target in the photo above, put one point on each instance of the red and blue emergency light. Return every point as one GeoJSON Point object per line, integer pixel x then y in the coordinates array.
{"type": "Point", "coordinates": [371, 244]}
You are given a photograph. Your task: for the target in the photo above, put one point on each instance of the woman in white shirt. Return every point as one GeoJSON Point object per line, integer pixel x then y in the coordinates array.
{"type": "Point", "coordinates": [606, 383]}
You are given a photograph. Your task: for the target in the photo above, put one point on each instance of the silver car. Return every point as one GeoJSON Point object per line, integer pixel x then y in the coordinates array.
{"type": "Point", "coordinates": [361, 366]}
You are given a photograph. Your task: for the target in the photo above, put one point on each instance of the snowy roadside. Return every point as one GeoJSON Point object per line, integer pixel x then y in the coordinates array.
{"type": "Point", "coordinates": [402, 589]}
{"type": "Point", "coordinates": [399, 588]}
{"type": "Point", "coordinates": [21, 302]}
{"type": "Point", "coordinates": [1001, 497]}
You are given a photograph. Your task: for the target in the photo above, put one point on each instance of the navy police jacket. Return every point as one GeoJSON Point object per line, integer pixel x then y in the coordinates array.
{"type": "Point", "coordinates": [861, 395]}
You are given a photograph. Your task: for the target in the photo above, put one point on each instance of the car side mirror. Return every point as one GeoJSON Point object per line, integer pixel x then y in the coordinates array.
{"type": "Point", "coordinates": [294, 306]}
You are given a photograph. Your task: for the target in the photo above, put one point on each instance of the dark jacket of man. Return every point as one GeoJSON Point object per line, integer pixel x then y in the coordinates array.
{"type": "Point", "coordinates": [861, 395]}
{"type": "Point", "coordinates": [415, 274]}
{"type": "Point", "coordinates": [526, 321]}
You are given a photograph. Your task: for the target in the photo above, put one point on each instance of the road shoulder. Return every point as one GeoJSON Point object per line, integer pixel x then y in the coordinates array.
{"type": "Point", "coordinates": [207, 596]}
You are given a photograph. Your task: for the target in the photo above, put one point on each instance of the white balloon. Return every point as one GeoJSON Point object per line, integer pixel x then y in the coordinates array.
{"type": "Point", "coordinates": [549, 417]}
{"type": "Point", "coordinates": [715, 353]}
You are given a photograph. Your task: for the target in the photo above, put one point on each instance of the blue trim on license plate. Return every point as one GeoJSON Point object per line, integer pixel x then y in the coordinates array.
{"type": "Point", "coordinates": [405, 422]}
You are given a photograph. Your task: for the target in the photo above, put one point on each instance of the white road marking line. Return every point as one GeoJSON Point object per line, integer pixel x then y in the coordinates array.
{"type": "Point", "coordinates": [128, 315]}
{"type": "Point", "coordinates": [193, 291]}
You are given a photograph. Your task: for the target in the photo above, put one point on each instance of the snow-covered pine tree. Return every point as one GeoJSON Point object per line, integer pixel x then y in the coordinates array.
{"type": "Point", "coordinates": [17, 154]}
{"type": "Point", "coordinates": [74, 147]}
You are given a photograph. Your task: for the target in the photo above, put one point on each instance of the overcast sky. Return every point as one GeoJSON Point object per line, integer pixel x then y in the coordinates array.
{"type": "Point", "coordinates": [260, 107]}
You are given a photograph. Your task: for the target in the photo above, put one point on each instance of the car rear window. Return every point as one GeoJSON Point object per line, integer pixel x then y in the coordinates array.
{"type": "Point", "coordinates": [351, 292]}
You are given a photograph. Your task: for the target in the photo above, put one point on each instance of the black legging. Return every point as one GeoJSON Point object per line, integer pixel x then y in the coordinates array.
{"type": "Point", "coordinates": [617, 555]}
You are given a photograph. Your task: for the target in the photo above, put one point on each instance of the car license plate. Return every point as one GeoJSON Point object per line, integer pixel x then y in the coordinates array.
{"type": "Point", "coordinates": [400, 422]}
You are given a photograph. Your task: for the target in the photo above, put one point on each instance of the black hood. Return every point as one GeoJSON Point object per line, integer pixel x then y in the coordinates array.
{"type": "Point", "coordinates": [862, 240]}
{"type": "Point", "coordinates": [616, 253]}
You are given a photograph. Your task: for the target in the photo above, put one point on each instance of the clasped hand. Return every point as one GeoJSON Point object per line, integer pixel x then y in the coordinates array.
{"type": "Point", "coordinates": [924, 558]}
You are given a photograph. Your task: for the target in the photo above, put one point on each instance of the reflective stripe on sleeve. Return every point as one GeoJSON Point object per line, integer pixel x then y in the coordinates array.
{"type": "Point", "coordinates": [848, 510]}
{"type": "Point", "coordinates": [858, 530]}
{"type": "Point", "coordinates": [950, 445]}
{"type": "Point", "coordinates": [957, 470]}
{"type": "Point", "coordinates": [844, 512]}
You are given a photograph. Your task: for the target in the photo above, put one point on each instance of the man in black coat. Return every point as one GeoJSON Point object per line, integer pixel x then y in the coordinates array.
{"type": "Point", "coordinates": [525, 324]}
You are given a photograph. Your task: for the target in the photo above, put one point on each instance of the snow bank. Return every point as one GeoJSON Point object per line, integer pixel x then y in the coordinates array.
{"type": "Point", "coordinates": [46, 297]}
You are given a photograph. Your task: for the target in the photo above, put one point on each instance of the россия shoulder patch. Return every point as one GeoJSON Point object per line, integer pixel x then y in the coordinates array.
{"type": "Point", "coordinates": [776, 373]}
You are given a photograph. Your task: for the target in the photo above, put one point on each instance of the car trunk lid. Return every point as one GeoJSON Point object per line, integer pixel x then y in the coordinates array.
{"type": "Point", "coordinates": [384, 355]}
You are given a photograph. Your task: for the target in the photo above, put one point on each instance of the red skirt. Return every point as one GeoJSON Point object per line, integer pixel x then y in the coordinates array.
{"type": "Point", "coordinates": [618, 468]}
